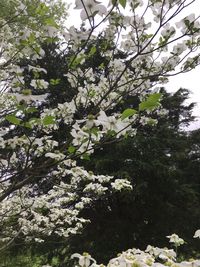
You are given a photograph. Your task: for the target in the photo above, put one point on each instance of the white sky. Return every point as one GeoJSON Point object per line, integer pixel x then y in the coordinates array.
{"type": "Point", "coordinates": [190, 80]}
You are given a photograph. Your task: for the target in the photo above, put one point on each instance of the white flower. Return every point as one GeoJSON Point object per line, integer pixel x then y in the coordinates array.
{"type": "Point", "coordinates": [168, 31]}
{"type": "Point", "coordinates": [179, 48]}
{"type": "Point", "coordinates": [58, 156]}
{"type": "Point", "coordinates": [175, 239]}
{"type": "Point", "coordinates": [39, 240]}
{"type": "Point", "coordinates": [190, 17]}
{"type": "Point", "coordinates": [121, 261]}
{"type": "Point", "coordinates": [30, 98]}
{"type": "Point", "coordinates": [120, 184]}
{"type": "Point", "coordinates": [157, 264]}
{"type": "Point", "coordinates": [111, 123]}
{"type": "Point", "coordinates": [89, 7]}
{"type": "Point", "coordinates": [36, 69]}
{"type": "Point", "coordinates": [79, 205]}
{"type": "Point", "coordinates": [195, 263]}
{"type": "Point", "coordinates": [39, 84]}
{"type": "Point", "coordinates": [51, 31]}
{"type": "Point", "coordinates": [164, 253]}
{"type": "Point", "coordinates": [197, 234]}
{"type": "Point", "coordinates": [84, 260]}
{"type": "Point", "coordinates": [74, 35]}
{"type": "Point", "coordinates": [98, 188]}
{"type": "Point", "coordinates": [78, 134]}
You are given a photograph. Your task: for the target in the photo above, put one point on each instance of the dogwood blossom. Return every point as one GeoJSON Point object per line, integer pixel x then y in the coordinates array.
{"type": "Point", "coordinates": [175, 239]}
{"type": "Point", "coordinates": [152, 256]}
{"type": "Point", "coordinates": [39, 84]}
{"type": "Point", "coordinates": [84, 260]}
{"type": "Point", "coordinates": [89, 8]}
{"type": "Point", "coordinates": [197, 234]}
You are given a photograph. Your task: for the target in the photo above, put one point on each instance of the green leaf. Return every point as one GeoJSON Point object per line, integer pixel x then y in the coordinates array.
{"type": "Point", "coordinates": [42, 10]}
{"type": "Point", "coordinates": [51, 22]}
{"type": "Point", "coordinates": [128, 112]}
{"type": "Point", "coordinates": [26, 92]}
{"type": "Point", "coordinates": [31, 110]}
{"type": "Point", "coordinates": [122, 3]}
{"type": "Point", "coordinates": [94, 13]}
{"type": "Point", "coordinates": [85, 156]}
{"type": "Point", "coordinates": [37, 49]}
{"type": "Point", "coordinates": [111, 133]}
{"type": "Point", "coordinates": [114, 2]}
{"type": "Point", "coordinates": [151, 122]}
{"type": "Point", "coordinates": [136, 5]}
{"type": "Point", "coordinates": [24, 42]}
{"type": "Point", "coordinates": [21, 107]}
{"type": "Point", "coordinates": [151, 102]}
{"type": "Point", "coordinates": [36, 74]}
{"type": "Point", "coordinates": [145, 37]}
{"type": "Point", "coordinates": [27, 125]}
{"type": "Point", "coordinates": [102, 66]}
{"type": "Point", "coordinates": [13, 119]}
{"type": "Point", "coordinates": [71, 149]}
{"type": "Point", "coordinates": [92, 51]}
{"type": "Point", "coordinates": [54, 81]}
{"type": "Point", "coordinates": [48, 120]}
{"type": "Point", "coordinates": [187, 23]}
{"type": "Point", "coordinates": [75, 61]}
{"type": "Point", "coordinates": [95, 131]}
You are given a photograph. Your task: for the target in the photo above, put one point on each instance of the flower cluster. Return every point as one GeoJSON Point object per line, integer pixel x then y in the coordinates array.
{"type": "Point", "coordinates": [151, 257]}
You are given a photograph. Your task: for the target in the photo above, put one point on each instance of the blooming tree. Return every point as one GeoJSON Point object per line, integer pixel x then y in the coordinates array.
{"type": "Point", "coordinates": [43, 185]}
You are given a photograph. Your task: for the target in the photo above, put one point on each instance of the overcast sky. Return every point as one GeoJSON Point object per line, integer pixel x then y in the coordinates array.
{"type": "Point", "coordinates": [190, 80]}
